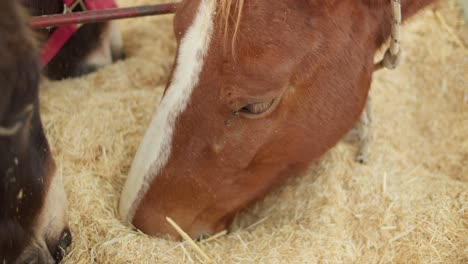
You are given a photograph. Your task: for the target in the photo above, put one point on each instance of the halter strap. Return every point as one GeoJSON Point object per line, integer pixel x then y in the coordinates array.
{"type": "Point", "coordinates": [392, 56]}
{"type": "Point", "coordinates": [23, 116]}
{"type": "Point", "coordinates": [62, 34]}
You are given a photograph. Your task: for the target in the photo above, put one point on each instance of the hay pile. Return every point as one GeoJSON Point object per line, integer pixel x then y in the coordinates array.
{"type": "Point", "coordinates": [408, 205]}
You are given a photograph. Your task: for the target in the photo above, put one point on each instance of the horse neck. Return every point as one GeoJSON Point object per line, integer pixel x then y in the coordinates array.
{"type": "Point", "coordinates": [340, 69]}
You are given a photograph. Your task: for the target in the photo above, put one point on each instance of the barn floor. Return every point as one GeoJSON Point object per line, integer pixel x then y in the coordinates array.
{"type": "Point", "coordinates": [408, 205]}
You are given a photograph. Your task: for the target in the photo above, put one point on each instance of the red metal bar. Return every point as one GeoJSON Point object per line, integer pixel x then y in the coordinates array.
{"type": "Point", "coordinates": [101, 15]}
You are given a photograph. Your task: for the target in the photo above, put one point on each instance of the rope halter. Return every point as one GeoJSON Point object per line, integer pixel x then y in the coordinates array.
{"type": "Point", "coordinates": [23, 117]}
{"type": "Point", "coordinates": [71, 6]}
{"type": "Point", "coordinates": [392, 56]}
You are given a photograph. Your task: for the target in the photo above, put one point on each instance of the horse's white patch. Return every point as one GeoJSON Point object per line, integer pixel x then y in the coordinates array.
{"type": "Point", "coordinates": [110, 45]}
{"type": "Point", "coordinates": [116, 43]}
{"type": "Point", "coordinates": [102, 54]}
{"type": "Point", "coordinates": [53, 218]}
{"type": "Point", "coordinates": [155, 149]}
{"type": "Point", "coordinates": [50, 224]}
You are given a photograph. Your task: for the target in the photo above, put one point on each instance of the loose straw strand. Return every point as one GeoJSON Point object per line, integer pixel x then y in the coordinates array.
{"type": "Point", "coordinates": [189, 240]}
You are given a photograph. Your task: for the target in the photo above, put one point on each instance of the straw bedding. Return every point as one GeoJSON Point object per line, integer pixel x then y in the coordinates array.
{"type": "Point", "coordinates": [409, 204]}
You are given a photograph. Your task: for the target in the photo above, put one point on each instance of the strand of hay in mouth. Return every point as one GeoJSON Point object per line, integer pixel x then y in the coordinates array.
{"type": "Point", "coordinates": [189, 240]}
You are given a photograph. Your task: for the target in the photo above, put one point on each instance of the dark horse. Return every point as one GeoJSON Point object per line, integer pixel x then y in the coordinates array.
{"type": "Point", "coordinates": [91, 47]}
{"type": "Point", "coordinates": [33, 215]}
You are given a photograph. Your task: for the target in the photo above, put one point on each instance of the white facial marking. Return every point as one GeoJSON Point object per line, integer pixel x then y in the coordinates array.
{"type": "Point", "coordinates": [53, 218]}
{"type": "Point", "coordinates": [155, 149]}
{"type": "Point", "coordinates": [50, 223]}
{"type": "Point", "coordinates": [102, 54]}
{"type": "Point", "coordinates": [116, 42]}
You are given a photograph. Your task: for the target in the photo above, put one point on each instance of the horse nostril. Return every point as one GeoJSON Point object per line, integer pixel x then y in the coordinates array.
{"type": "Point", "coordinates": [63, 243]}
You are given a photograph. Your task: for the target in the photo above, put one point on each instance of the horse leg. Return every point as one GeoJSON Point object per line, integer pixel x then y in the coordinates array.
{"type": "Point", "coordinates": [364, 133]}
{"type": "Point", "coordinates": [360, 134]}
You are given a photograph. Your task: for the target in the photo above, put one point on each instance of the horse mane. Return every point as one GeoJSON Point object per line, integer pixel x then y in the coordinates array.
{"type": "Point", "coordinates": [230, 10]}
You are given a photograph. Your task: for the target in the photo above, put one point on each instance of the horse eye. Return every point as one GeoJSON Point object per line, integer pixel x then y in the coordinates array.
{"type": "Point", "coordinates": [256, 108]}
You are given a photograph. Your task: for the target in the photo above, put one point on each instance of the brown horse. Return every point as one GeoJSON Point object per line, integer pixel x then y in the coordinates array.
{"type": "Point", "coordinates": [258, 90]}
{"type": "Point", "coordinates": [33, 218]}
{"type": "Point", "coordinates": [91, 47]}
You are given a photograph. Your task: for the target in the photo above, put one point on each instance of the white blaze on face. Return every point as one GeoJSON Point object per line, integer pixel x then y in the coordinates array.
{"type": "Point", "coordinates": [155, 149]}
{"type": "Point", "coordinates": [110, 43]}
{"type": "Point", "coordinates": [50, 223]}
{"type": "Point", "coordinates": [53, 218]}
{"type": "Point", "coordinates": [115, 38]}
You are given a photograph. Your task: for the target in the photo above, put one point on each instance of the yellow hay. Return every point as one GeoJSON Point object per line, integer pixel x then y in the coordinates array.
{"type": "Point", "coordinates": [408, 205]}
